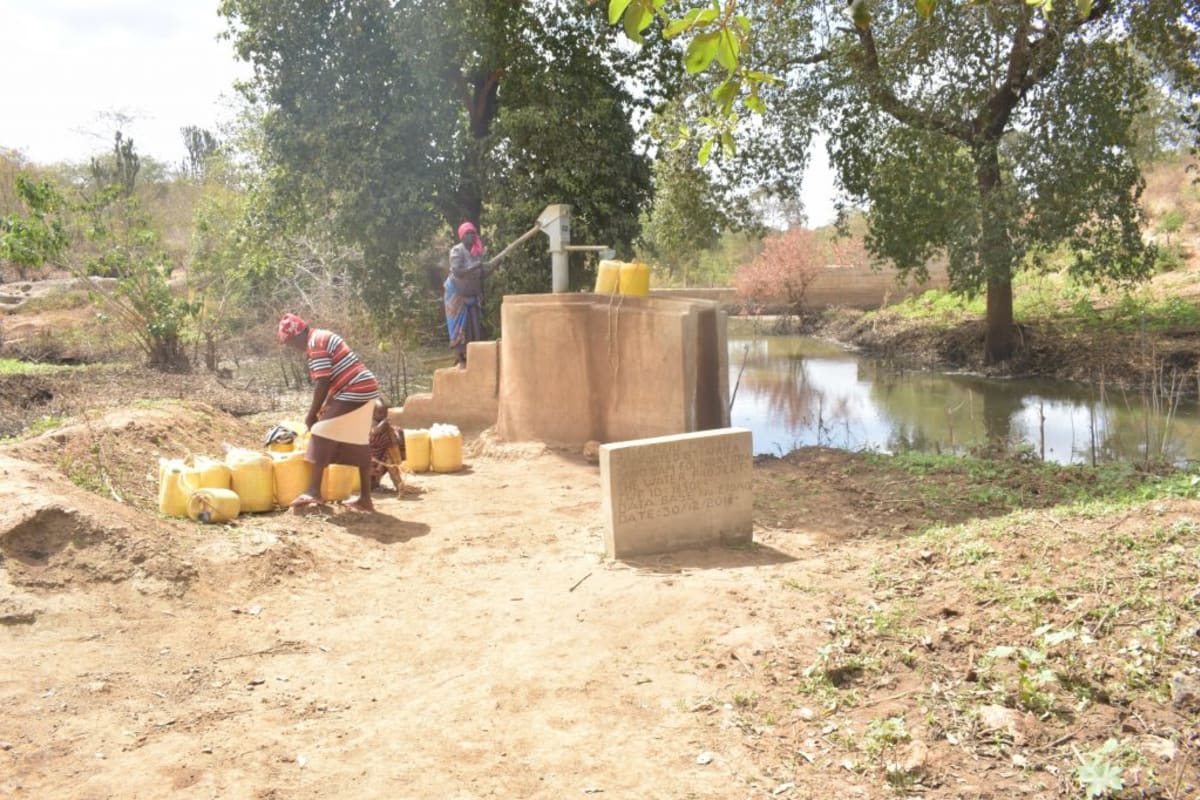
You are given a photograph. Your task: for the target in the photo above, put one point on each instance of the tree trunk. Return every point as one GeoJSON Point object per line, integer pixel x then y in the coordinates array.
{"type": "Point", "coordinates": [481, 99]}
{"type": "Point", "coordinates": [995, 255]}
{"type": "Point", "coordinates": [998, 342]}
{"type": "Point", "coordinates": [166, 354]}
{"type": "Point", "coordinates": [210, 352]}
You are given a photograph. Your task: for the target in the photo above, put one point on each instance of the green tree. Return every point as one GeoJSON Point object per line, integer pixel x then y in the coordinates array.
{"type": "Point", "coordinates": [396, 121]}
{"type": "Point", "coordinates": [30, 240]}
{"type": "Point", "coordinates": [356, 114]}
{"type": "Point", "coordinates": [243, 255]}
{"type": "Point", "coordinates": [127, 247]}
{"type": "Point", "coordinates": [201, 146]}
{"type": "Point", "coordinates": [1170, 223]}
{"type": "Point", "coordinates": [142, 300]}
{"type": "Point", "coordinates": [228, 259]}
{"type": "Point", "coordinates": [966, 129]}
{"type": "Point", "coordinates": [689, 213]}
{"type": "Point", "coordinates": [562, 135]}
{"type": "Point", "coordinates": [120, 170]}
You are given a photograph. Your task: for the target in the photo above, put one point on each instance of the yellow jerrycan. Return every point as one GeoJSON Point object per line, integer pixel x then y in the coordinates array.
{"type": "Point", "coordinates": [213, 505]}
{"type": "Point", "coordinates": [416, 449]}
{"type": "Point", "coordinates": [339, 482]}
{"type": "Point", "coordinates": [284, 436]}
{"type": "Point", "coordinates": [206, 473]}
{"type": "Point", "coordinates": [290, 474]}
{"type": "Point", "coordinates": [635, 280]}
{"type": "Point", "coordinates": [172, 498]}
{"type": "Point", "coordinates": [445, 448]}
{"type": "Point", "coordinates": [608, 275]}
{"type": "Point", "coordinates": [253, 478]}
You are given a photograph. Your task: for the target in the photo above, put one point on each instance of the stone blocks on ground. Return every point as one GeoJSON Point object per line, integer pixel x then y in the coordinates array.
{"type": "Point", "coordinates": [676, 492]}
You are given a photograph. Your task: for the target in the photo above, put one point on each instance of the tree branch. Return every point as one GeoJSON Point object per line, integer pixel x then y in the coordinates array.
{"type": "Point", "coordinates": [807, 61]}
{"type": "Point", "coordinates": [887, 100]}
{"type": "Point", "coordinates": [1029, 62]}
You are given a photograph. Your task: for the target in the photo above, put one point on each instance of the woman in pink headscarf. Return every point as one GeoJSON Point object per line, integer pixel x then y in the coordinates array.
{"type": "Point", "coordinates": [464, 291]}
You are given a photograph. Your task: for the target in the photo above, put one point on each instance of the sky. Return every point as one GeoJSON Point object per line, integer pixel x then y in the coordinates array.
{"type": "Point", "coordinates": [71, 68]}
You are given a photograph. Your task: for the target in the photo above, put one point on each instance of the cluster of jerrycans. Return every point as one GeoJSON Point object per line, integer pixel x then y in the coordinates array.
{"type": "Point", "coordinates": [622, 277]}
{"type": "Point", "coordinates": [250, 481]}
{"type": "Point", "coordinates": [245, 481]}
{"type": "Point", "coordinates": [436, 449]}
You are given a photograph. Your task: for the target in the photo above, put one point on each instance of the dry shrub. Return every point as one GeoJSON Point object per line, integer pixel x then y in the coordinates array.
{"type": "Point", "coordinates": [788, 265]}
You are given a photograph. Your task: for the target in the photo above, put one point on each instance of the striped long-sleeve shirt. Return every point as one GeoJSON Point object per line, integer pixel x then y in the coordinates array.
{"type": "Point", "coordinates": [330, 357]}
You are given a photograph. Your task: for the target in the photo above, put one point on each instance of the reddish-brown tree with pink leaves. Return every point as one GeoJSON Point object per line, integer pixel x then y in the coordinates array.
{"type": "Point", "coordinates": [780, 276]}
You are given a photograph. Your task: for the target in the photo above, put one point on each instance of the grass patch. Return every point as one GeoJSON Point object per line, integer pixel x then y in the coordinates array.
{"type": "Point", "coordinates": [57, 301]}
{"type": "Point", "coordinates": [1019, 633]}
{"type": "Point", "coordinates": [14, 366]}
{"type": "Point", "coordinates": [36, 428]}
{"type": "Point", "coordinates": [43, 424]}
{"type": "Point", "coordinates": [953, 485]}
{"type": "Point", "coordinates": [1057, 298]}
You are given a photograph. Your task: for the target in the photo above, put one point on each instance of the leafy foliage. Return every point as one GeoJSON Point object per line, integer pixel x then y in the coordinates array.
{"type": "Point", "coordinates": [688, 213]}
{"type": "Point", "coordinates": [130, 252]}
{"type": "Point", "coordinates": [201, 145]}
{"type": "Point", "coordinates": [1170, 224]}
{"type": "Point", "coordinates": [562, 134]}
{"type": "Point", "coordinates": [392, 122]}
{"type": "Point", "coordinates": [127, 247]}
{"type": "Point", "coordinates": [1098, 776]}
{"type": "Point", "coordinates": [120, 171]}
{"type": "Point", "coordinates": [30, 240]}
{"type": "Point", "coordinates": [965, 128]}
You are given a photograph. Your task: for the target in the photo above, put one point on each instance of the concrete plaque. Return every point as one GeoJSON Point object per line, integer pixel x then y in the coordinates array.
{"type": "Point", "coordinates": [675, 492]}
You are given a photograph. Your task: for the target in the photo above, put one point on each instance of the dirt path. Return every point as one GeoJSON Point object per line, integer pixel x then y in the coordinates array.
{"type": "Point", "coordinates": [466, 642]}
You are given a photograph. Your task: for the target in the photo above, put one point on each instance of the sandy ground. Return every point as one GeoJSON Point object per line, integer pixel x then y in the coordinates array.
{"type": "Point", "coordinates": [467, 641]}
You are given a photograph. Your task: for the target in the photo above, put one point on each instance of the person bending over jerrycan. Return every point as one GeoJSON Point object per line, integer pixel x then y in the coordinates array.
{"type": "Point", "coordinates": [339, 418]}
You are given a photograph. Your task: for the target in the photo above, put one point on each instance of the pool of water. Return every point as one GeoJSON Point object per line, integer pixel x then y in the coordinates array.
{"type": "Point", "coordinates": [795, 391]}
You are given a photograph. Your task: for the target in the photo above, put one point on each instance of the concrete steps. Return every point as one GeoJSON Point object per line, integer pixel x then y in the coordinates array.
{"type": "Point", "coordinates": [467, 398]}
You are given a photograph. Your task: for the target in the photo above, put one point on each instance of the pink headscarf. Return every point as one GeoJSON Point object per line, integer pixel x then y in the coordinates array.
{"type": "Point", "coordinates": [477, 248]}
{"type": "Point", "coordinates": [289, 326]}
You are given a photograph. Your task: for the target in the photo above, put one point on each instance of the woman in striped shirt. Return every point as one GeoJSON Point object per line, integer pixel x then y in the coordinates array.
{"type": "Point", "coordinates": [339, 418]}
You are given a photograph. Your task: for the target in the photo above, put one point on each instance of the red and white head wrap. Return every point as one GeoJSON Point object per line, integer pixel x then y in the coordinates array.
{"type": "Point", "coordinates": [289, 326]}
{"type": "Point", "coordinates": [477, 245]}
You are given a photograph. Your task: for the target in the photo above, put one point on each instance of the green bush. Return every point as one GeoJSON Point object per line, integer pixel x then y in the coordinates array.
{"type": "Point", "coordinates": [1174, 312]}
{"type": "Point", "coordinates": [1171, 257]}
{"type": "Point", "coordinates": [1085, 312]}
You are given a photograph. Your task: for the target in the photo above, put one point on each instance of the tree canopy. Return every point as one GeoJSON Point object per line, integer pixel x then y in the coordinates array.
{"type": "Point", "coordinates": [396, 121]}
{"type": "Point", "coordinates": [987, 133]}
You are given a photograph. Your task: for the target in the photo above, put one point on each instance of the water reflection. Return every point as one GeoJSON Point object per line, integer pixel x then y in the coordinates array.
{"type": "Point", "coordinates": [796, 391]}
